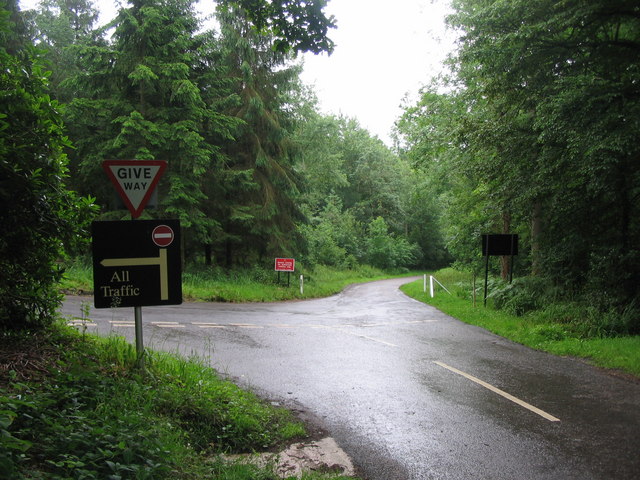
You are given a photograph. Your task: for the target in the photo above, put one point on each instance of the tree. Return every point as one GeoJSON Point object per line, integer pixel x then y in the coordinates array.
{"type": "Point", "coordinates": [258, 210]}
{"type": "Point", "coordinates": [388, 251]}
{"type": "Point", "coordinates": [552, 103]}
{"type": "Point", "coordinates": [62, 28]}
{"type": "Point", "coordinates": [294, 25]}
{"type": "Point", "coordinates": [152, 94]}
{"type": "Point", "coordinates": [39, 214]}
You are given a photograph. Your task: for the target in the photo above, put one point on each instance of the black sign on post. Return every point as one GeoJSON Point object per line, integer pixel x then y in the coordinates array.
{"type": "Point", "coordinates": [498, 244]}
{"type": "Point", "coordinates": [136, 263]}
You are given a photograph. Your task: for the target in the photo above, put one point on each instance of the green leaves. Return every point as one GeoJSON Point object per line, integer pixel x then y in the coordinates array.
{"type": "Point", "coordinates": [538, 136]}
{"type": "Point", "coordinates": [40, 214]}
{"type": "Point", "coordinates": [298, 26]}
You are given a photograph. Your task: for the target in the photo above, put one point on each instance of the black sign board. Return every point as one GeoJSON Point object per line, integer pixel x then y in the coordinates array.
{"type": "Point", "coordinates": [136, 263]}
{"type": "Point", "coordinates": [500, 244]}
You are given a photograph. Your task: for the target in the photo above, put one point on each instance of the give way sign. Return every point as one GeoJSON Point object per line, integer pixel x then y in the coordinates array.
{"type": "Point", "coordinates": [135, 180]}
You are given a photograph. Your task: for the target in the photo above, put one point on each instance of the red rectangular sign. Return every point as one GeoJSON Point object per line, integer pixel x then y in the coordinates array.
{"type": "Point", "coordinates": [285, 264]}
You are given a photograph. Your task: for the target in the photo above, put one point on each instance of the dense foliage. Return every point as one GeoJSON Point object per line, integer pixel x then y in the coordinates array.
{"type": "Point", "coordinates": [38, 213]}
{"type": "Point", "coordinates": [246, 150]}
{"type": "Point", "coordinates": [536, 133]}
{"type": "Point", "coordinates": [533, 132]}
{"type": "Point", "coordinates": [296, 26]}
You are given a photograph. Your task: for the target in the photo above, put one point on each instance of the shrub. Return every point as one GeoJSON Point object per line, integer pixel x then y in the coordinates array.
{"type": "Point", "coordinates": [38, 214]}
{"type": "Point", "coordinates": [521, 296]}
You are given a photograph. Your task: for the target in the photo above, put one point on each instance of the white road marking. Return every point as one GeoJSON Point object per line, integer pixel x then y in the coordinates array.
{"type": "Point", "coordinates": [377, 340]}
{"type": "Point", "coordinates": [502, 393]}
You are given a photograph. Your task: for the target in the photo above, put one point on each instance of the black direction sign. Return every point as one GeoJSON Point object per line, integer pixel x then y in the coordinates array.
{"type": "Point", "coordinates": [136, 263]}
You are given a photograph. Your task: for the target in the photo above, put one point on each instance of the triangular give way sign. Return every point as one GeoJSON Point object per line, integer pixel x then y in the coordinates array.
{"type": "Point", "coordinates": [135, 180]}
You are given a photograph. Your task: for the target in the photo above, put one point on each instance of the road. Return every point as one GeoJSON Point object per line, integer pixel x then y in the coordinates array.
{"type": "Point", "coordinates": [407, 391]}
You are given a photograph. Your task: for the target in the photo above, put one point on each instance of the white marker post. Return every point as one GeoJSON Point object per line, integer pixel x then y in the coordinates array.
{"type": "Point", "coordinates": [301, 285]}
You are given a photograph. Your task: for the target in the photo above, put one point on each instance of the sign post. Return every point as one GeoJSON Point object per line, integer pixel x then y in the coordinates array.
{"type": "Point", "coordinates": [285, 265]}
{"type": "Point", "coordinates": [498, 245]}
{"type": "Point", "coordinates": [132, 267]}
{"type": "Point", "coordinates": [135, 182]}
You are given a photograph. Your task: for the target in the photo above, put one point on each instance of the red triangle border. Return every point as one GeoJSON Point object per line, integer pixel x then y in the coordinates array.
{"type": "Point", "coordinates": [135, 212]}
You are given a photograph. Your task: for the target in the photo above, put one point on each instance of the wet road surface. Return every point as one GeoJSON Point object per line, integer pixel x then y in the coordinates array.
{"type": "Point", "coordinates": [408, 392]}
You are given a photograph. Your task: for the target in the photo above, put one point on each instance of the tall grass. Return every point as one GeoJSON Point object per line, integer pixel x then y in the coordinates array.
{"type": "Point", "coordinates": [559, 328]}
{"type": "Point", "coordinates": [213, 284]}
{"type": "Point", "coordinates": [77, 277]}
{"type": "Point", "coordinates": [255, 285]}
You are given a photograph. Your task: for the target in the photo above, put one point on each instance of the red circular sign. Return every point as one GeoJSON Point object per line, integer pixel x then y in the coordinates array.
{"type": "Point", "coordinates": [162, 235]}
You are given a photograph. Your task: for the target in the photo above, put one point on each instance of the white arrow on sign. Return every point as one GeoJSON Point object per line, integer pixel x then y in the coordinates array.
{"type": "Point", "coordinates": [161, 261]}
{"type": "Point", "coordinates": [135, 180]}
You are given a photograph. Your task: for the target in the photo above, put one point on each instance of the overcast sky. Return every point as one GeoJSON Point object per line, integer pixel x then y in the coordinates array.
{"type": "Point", "coordinates": [384, 51]}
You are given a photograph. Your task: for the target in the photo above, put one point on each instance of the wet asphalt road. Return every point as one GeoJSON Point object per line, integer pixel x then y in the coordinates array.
{"type": "Point", "coordinates": [363, 364]}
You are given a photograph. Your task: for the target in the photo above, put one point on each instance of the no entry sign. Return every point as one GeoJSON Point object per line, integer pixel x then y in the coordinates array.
{"type": "Point", "coordinates": [285, 264]}
{"type": "Point", "coordinates": [162, 235]}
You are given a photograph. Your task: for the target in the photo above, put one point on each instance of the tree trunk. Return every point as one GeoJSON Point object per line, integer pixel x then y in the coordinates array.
{"type": "Point", "coordinates": [505, 259]}
{"type": "Point", "coordinates": [207, 254]}
{"type": "Point", "coordinates": [536, 232]}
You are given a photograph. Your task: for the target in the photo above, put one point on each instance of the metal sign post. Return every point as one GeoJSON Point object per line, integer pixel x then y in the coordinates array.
{"type": "Point", "coordinates": [137, 264]}
{"type": "Point", "coordinates": [498, 245]}
{"type": "Point", "coordinates": [124, 258]}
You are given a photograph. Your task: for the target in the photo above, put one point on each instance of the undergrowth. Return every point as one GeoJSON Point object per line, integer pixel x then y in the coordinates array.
{"type": "Point", "coordinates": [215, 284]}
{"type": "Point", "coordinates": [76, 407]}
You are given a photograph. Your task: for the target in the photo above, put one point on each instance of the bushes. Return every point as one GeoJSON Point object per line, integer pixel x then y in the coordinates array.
{"type": "Point", "coordinates": [519, 297]}
{"type": "Point", "coordinates": [38, 214]}
{"type": "Point", "coordinates": [585, 317]}
{"type": "Point", "coordinates": [337, 240]}
{"type": "Point", "coordinates": [387, 251]}
{"type": "Point", "coordinates": [87, 413]}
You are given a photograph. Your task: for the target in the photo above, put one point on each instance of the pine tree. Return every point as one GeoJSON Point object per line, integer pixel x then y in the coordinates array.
{"type": "Point", "coordinates": [259, 208]}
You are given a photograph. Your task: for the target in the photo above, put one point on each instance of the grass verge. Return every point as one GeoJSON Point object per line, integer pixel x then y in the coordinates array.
{"type": "Point", "coordinates": [543, 330]}
{"type": "Point", "coordinates": [75, 406]}
{"type": "Point", "coordinates": [249, 285]}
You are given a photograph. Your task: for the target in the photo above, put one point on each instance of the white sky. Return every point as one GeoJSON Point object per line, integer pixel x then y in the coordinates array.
{"type": "Point", "coordinates": [385, 50]}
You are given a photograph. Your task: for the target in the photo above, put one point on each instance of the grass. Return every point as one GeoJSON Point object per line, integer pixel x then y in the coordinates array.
{"type": "Point", "coordinates": [74, 406]}
{"type": "Point", "coordinates": [77, 278]}
{"type": "Point", "coordinates": [250, 285]}
{"type": "Point", "coordinates": [546, 329]}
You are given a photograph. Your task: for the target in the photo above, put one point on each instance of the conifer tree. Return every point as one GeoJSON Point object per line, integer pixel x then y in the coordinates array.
{"type": "Point", "coordinates": [150, 95]}
{"type": "Point", "coordinates": [259, 209]}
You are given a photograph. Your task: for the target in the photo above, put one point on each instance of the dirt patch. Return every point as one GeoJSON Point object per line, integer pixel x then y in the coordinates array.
{"type": "Point", "coordinates": [322, 455]}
